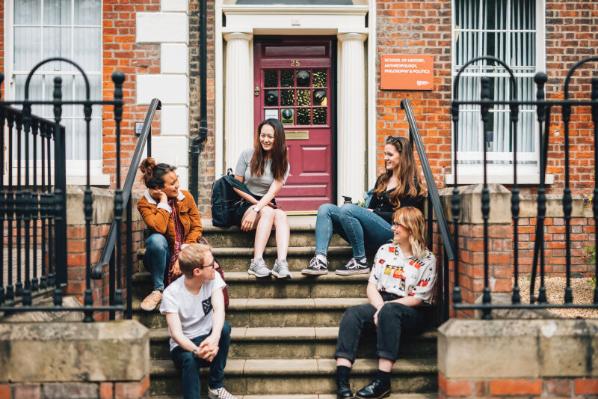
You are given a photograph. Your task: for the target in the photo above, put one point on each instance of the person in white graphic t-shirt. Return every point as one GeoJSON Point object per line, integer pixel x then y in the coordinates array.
{"type": "Point", "coordinates": [194, 309]}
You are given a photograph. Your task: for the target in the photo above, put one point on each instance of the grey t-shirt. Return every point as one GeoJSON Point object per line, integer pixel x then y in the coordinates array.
{"type": "Point", "coordinates": [257, 185]}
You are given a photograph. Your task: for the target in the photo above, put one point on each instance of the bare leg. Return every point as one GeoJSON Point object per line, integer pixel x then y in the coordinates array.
{"type": "Point", "coordinates": [343, 362]}
{"type": "Point", "coordinates": [262, 232]}
{"type": "Point", "coordinates": [384, 365]}
{"type": "Point", "coordinates": [283, 231]}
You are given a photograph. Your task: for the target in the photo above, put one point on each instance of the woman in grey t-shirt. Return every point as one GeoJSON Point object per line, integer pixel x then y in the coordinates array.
{"type": "Point", "coordinates": [264, 169]}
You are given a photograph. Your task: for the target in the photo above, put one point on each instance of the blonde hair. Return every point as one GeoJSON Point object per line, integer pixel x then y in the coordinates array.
{"type": "Point", "coordinates": [192, 256]}
{"type": "Point", "coordinates": [413, 219]}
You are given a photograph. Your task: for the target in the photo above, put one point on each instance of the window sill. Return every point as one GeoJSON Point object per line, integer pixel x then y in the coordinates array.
{"type": "Point", "coordinates": [522, 179]}
{"type": "Point", "coordinates": [95, 180]}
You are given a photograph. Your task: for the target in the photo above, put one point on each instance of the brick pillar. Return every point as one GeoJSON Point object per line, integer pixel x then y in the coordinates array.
{"type": "Point", "coordinates": [471, 243]}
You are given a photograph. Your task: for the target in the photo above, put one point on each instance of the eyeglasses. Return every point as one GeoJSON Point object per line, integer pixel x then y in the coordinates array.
{"type": "Point", "coordinates": [211, 264]}
{"type": "Point", "coordinates": [396, 141]}
{"type": "Point", "coordinates": [396, 225]}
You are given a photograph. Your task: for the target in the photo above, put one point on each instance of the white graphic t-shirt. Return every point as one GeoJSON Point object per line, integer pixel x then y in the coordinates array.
{"type": "Point", "coordinates": [404, 276]}
{"type": "Point", "coordinates": [195, 311]}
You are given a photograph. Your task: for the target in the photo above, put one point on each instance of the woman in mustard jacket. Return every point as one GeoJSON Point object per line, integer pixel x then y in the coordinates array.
{"type": "Point", "coordinates": [174, 219]}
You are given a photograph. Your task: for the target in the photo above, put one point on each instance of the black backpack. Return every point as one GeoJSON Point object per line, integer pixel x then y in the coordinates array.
{"type": "Point", "coordinates": [224, 201]}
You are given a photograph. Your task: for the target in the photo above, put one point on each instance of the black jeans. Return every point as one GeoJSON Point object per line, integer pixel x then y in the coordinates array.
{"type": "Point", "coordinates": [189, 365]}
{"type": "Point", "coordinates": [393, 320]}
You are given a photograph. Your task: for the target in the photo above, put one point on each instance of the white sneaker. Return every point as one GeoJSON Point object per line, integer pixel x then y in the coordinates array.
{"type": "Point", "coordinates": [258, 268]}
{"type": "Point", "coordinates": [281, 269]}
{"type": "Point", "coordinates": [220, 393]}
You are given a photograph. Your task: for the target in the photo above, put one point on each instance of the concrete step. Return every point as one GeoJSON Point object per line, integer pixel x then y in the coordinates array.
{"type": "Point", "coordinates": [300, 376]}
{"type": "Point", "coordinates": [279, 312]}
{"type": "Point", "coordinates": [301, 235]}
{"type": "Point", "coordinates": [237, 259]}
{"type": "Point", "coordinates": [243, 285]}
{"type": "Point", "coordinates": [316, 396]}
{"type": "Point", "coordinates": [298, 343]}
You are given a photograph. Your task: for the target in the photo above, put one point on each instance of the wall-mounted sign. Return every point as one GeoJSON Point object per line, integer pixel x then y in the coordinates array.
{"type": "Point", "coordinates": [406, 72]}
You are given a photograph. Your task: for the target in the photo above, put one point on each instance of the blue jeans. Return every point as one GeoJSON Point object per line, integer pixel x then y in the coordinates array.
{"type": "Point", "coordinates": [359, 226]}
{"type": "Point", "coordinates": [189, 365]}
{"type": "Point", "coordinates": [156, 258]}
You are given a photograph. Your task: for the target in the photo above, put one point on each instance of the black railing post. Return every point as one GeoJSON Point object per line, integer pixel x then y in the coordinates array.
{"type": "Point", "coordinates": [567, 206]}
{"type": "Point", "coordinates": [543, 117]}
{"type": "Point", "coordinates": [10, 207]}
{"type": "Point", "coordinates": [19, 206]}
{"type": "Point", "coordinates": [35, 205]}
{"type": "Point", "coordinates": [88, 209]}
{"type": "Point", "coordinates": [118, 78]}
{"type": "Point", "coordinates": [43, 205]}
{"type": "Point", "coordinates": [129, 266]}
{"type": "Point", "coordinates": [595, 197]}
{"type": "Point", "coordinates": [485, 110]}
{"type": "Point", "coordinates": [456, 200]}
{"type": "Point", "coordinates": [26, 205]}
{"type": "Point", "coordinates": [59, 195]}
{"type": "Point", "coordinates": [514, 108]}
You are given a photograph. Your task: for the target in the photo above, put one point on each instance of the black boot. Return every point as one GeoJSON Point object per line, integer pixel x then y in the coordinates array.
{"type": "Point", "coordinates": [343, 389]}
{"type": "Point", "coordinates": [376, 389]}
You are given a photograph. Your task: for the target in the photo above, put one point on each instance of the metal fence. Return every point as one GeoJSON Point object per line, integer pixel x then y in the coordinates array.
{"type": "Point", "coordinates": [544, 109]}
{"type": "Point", "coordinates": [33, 213]}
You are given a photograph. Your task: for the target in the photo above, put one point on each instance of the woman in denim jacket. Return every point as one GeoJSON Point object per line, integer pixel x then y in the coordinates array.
{"type": "Point", "coordinates": [367, 228]}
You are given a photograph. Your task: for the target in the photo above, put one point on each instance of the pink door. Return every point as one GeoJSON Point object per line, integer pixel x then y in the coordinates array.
{"type": "Point", "coordinates": [293, 83]}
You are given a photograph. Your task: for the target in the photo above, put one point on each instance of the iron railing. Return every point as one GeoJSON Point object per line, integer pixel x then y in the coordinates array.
{"type": "Point", "coordinates": [544, 110]}
{"type": "Point", "coordinates": [112, 252]}
{"type": "Point", "coordinates": [34, 196]}
{"type": "Point", "coordinates": [435, 213]}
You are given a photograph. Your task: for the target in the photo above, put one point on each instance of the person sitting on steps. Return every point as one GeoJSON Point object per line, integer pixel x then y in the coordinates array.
{"type": "Point", "coordinates": [173, 218]}
{"type": "Point", "coordinates": [402, 279]}
{"type": "Point", "coordinates": [370, 227]}
{"type": "Point", "coordinates": [264, 169]}
{"type": "Point", "coordinates": [199, 336]}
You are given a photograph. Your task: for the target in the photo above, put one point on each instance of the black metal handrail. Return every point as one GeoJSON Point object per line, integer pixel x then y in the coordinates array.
{"type": "Point", "coordinates": [434, 208]}
{"type": "Point", "coordinates": [433, 195]}
{"type": "Point", "coordinates": [108, 251]}
{"type": "Point", "coordinates": [144, 137]}
{"type": "Point", "coordinates": [543, 109]}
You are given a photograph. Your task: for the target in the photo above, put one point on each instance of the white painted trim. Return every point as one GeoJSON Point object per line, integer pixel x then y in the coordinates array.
{"type": "Point", "coordinates": [293, 10]}
{"type": "Point", "coordinates": [522, 178]}
{"type": "Point", "coordinates": [247, 20]}
{"type": "Point", "coordinates": [218, 91]}
{"type": "Point", "coordinates": [372, 91]}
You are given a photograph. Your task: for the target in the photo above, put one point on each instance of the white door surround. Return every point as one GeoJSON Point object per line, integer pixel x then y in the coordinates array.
{"type": "Point", "coordinates": [356, 81]}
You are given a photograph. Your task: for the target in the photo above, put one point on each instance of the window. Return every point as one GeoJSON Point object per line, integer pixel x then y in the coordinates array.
{"type": "Point", "coordinates": [71, 29]}
{"type": "Point", "coordinates": [507, 30]}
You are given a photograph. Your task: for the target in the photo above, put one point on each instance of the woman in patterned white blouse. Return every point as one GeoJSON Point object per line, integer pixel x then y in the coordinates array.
{"type": "Point", "coordinates": [402, 278]}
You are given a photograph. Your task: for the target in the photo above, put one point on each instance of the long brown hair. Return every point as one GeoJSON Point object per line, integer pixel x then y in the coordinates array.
{"type": "Point", "coordinates": [405, 171]}
{"type": "Point", "coordinates": [278, 153]}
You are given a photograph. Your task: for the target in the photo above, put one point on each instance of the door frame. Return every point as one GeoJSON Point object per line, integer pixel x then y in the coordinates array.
{"type": "Point", "coordinates": [298, 20]}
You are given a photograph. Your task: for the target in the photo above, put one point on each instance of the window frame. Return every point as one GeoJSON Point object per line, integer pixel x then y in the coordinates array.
{"type": "Point", "coordinates": [75, 168]}
{"type": "Point", "coordinates": [499, 173]}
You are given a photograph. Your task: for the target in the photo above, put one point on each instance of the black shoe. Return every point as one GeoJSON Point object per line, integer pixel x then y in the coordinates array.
{"type": "Point", "coordinates": [374, 390]}
{"type": "Point", "coordinates": [343, 390]}
{"type": "Point", "coordinates": [354, 266]}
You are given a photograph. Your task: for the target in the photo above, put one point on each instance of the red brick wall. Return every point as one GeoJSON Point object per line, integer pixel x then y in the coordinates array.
{"type": "Point", "coordinates": [570, 37]}
{"type": "Point", "coordinates": [121, 53]}
{"type": "Point", "coordinates": [409, 27]}
{"type": "Point", "coordinates": [518, 387]}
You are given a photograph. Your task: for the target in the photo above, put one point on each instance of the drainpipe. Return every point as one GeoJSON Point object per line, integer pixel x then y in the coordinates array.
{"type": "Point", "coordinates": [198, 141]}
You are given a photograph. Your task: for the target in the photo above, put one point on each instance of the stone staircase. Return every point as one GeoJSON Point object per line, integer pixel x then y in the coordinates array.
{"type": "Point", "coordinates": [284, 332]}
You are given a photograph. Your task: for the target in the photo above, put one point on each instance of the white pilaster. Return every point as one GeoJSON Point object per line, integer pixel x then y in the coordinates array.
{"type": "Point", "coordinates": [352, 137]}
{"type": "Point", "coordinates": [238, 100]}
